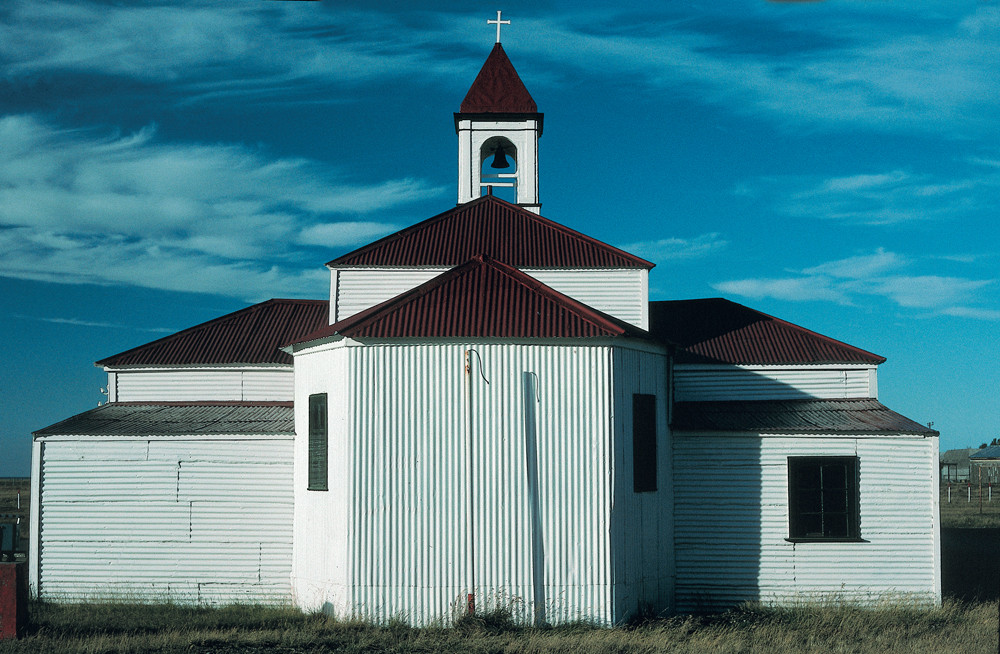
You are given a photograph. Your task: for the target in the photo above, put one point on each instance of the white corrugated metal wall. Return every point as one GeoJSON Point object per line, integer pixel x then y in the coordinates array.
{"type": "Point", "coordinates": [619, 292]}
{"type": "Point", "coordinates": [170, 518]}
{"type": "Point", "coordinates": [731, 522]}
{"type": "Point", "coordinates": [725, 382]}
{"type": "Point", "coordinates": [412, 550]}
{"type": "Point", "coordinates": [271, 384]}
{"type": "Point", "coordinates": [642, 523]}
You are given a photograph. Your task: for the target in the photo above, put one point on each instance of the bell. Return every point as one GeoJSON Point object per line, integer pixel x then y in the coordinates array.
{"type": "Point", "coordinates": [499, 160]}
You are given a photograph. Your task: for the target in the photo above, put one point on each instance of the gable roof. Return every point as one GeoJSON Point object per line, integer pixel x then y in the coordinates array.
{"type": "Point", "coordinates": [843, 416]}
{"type": "Point", "coordinates": [251, 335]}
{"type": "Point", "coordinates": [178, 419]}
{"type": "Point", "coordinates": [990, 452]}
{"type": "Point", "coordinates": [482, 298]}
{"type": "Point", "coordinates": [495, 228]}
{"type": "Point", "coordinates": [716, 330]}
{"type": "Point", "coordinates": [498, 88]}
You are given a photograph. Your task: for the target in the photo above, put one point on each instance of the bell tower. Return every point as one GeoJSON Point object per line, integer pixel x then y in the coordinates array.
{"type": "Point", "coordinates": [498, 127]}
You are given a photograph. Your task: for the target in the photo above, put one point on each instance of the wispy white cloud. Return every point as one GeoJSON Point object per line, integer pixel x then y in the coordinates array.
{"type": "Point", "coordinates": [77, 206]}
{"type": "Point", "coordinates": [881, 274]}
{"type": "Point", "coordinates": [843, 68]}
{"type": "Point", "coordinates": [672, 249]}
{"type": "Point", "coordinates": [881, 198]}
{"type": "Point", "coordinates": [866, 70]}
{"type": "Point", "coordinates": [76, 322]}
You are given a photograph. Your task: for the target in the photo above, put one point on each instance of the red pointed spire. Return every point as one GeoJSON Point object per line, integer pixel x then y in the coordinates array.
{"type": "Point", "coordinates": [498, 89]}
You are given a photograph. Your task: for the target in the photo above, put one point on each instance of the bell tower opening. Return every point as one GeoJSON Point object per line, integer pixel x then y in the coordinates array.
{"type": "Point", "coordinates": [498, 124]}
{"type": "Point", "coordinates": [498, 168]}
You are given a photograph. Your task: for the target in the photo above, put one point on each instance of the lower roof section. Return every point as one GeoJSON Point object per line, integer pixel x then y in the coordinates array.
{"type": "Point", "coordinates": [179, 419]}
{"type": "Point", "coordinates": [847, 416]}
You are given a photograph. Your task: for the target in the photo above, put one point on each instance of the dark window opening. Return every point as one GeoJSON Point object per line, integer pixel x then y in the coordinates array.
{"type": "Point", "coordinates": [318, 455]}
{"type": "Point", "coordinates": [823, 498]}
{"type": "Point", "coordinates": [644, 443]}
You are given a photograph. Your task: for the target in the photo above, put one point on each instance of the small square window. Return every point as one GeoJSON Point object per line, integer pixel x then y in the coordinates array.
{"type": "Point", "coordinates": [823, 498]}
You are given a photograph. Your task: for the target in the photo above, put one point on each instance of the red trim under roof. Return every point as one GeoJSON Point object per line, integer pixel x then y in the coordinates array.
{"type": "Point", "coordinates": [482, 298]}
{"type": "Point", "coordinates": [494, 228]}
{"type": "Point", "coordinates": [716, 330]}
{"type": "Point", "coordinates": [498, 88]}
{"type": "Point", "coordinates": [250, 336]}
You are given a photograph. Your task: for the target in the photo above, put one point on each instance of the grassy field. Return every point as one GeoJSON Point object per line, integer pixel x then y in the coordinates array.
{"type": "Point", "coordinates": [112, 628]}
{"type": "Point", "coordinates": [960, 512]}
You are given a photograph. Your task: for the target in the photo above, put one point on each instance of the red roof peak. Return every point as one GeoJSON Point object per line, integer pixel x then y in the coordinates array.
{"type": "Point", "coordinates": [498, 89]}
{"type": "Point", "coordinates": [496, 228]}
{"type": "Point", "coordinates": [482, 298]}
{"type": "Point", "coordinates": [716, 330]}
{"type": "Point", "coordinates": [252, 335]}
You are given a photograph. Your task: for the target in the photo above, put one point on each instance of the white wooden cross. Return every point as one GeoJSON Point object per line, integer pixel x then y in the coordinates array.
{"type": "Point", "coordinates": [498, 23]}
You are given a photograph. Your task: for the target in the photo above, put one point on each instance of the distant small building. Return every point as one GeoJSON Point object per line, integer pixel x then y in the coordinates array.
{"type": "Point", "coordinates": [955, 465]}
{"type": "Point", "coordinates": [986, 460]}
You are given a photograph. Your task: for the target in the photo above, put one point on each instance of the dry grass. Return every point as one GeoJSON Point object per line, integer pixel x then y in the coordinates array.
{"type": "Point", "coordinates": [112, 628]}
{"type": "Point", "coordinates": [960, 512]}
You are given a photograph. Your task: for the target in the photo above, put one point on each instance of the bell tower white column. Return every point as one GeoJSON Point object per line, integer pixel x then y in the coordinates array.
{"type": "Point", "coordinates": [498, 113]}
{"type": "Point", "coordinates": [478, 139]}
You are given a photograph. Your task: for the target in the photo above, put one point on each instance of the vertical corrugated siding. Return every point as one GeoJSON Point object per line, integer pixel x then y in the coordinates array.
{"type": "Point", "coordinates": [708, 383]}
{"type": "Point", "coordinates": [731, 521]}
{"type": "Point", "coordinates": [642, 525]}
{"type": "Point", "coordinates": [192, 385]}
{"type": "Point", "coordinates": [167, 518]}
{"type": "Point", "coordinates": [620, 293]}
{"type": "Point", "coordinates": [408, 535]}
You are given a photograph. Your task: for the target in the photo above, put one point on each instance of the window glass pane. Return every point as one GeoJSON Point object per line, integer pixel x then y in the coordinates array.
{"type": "Point", "coordinates": [834, 476]}
{"type": "Point", "coordinates": [835, 501]}
{"type": "Point", "coordinates": [643, 443]}
{"type": "Point", "coordinates": [810, 501]}
{"type": "Point", "coordinates": [835, 525]}
{"type": "Point", "coordinates": [809, 477]}
{"type": "Point", "coordinates": [823, 497]}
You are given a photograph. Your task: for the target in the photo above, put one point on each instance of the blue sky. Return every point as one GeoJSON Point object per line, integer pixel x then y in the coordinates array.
{"type": "Point", "coordinates": [836, 164]}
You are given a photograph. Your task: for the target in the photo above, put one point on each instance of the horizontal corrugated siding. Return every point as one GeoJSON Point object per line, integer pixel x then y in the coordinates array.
{"type": "Point", "coordinates": [731, 522]}
{"type": "Point", "coordinates": [167, 519]}
{"type": "Point", "coordinates": [708, 383]}
{"type": "Point", "coordinates": [411, 550]}
{"type": "Point", "coordinates": [360, 288]}
{"type": "Point", "coordinates": [620, 293]}
{"type": "Point", "coordinates": [192, 385]}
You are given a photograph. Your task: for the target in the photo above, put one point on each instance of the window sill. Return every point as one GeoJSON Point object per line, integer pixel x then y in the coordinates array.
{"type": "Point", "coordinates": [826, 540]}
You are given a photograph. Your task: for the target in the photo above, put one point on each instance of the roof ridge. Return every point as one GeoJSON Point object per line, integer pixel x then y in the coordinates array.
{"type": "Point", "coordinates": [210, 324]}
{"type": "Point", "coordinates": [580, 311]}
{"type": "Point", "coordinates": [517, 210]}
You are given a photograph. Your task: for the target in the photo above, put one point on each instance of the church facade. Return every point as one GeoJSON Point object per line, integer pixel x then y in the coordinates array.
{"type": "Point", "coordinates": [488, 412]}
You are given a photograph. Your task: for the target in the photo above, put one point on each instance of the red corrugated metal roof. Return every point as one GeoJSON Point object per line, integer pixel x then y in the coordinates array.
{"type": "Point", "coordinates": [845, 416]}
{"type": "Point", "coordinates": [498, 88]}
{"type": "Point", "coordinates": [482, 298]}
{"type": "Point", "coordinates": [720, 331]}
{"type": "Point", "coordinates": [497, 229]}
{"type": "Point", "coordinates": [251, 335]}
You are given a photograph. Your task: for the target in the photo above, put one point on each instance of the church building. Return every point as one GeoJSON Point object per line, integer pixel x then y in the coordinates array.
{"type": "Point", "coordinates": [489, 412]}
